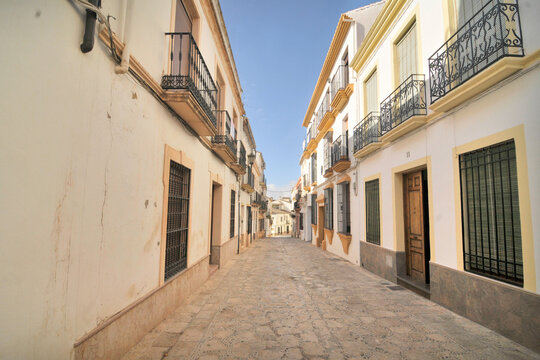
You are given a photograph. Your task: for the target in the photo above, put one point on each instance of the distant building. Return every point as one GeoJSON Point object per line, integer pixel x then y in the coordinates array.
{"type": "Point", "coordinates": [280, 212]}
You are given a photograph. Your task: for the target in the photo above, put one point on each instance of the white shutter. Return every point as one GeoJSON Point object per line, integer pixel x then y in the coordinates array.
{"type": "Point", "coordinates": [372, 102]}
{"type": "Point", "coordinates": [406, 53]}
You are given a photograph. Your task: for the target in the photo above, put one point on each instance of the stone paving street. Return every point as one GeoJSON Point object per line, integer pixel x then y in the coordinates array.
{"type": "Point", "coordinates": [285, 299]}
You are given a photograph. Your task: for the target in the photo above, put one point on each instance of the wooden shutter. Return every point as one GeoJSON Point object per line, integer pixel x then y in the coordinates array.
{"type": "Point", "coordinates": [406, 53]}
{"type": "Point", "coordinates": [372, 101]}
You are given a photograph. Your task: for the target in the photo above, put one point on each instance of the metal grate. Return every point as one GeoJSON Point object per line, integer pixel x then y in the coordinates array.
{"type": "Point", "coordinates": [233, 199]}
{"type": "Point", "coordinates": [490, 213]}
{"type": "Point", "coordinates": [314, 209]}
{"type": "Point", "coordinates": [177, 220]}
{"type": "Point", "coordinates": [373, 216]}
{"type": "Point", "coordinates": [344, 208]}
{"type": "Point", "coordinates": [329, 208]}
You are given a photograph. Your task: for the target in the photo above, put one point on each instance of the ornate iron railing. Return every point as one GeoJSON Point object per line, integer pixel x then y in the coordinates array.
{"type": "Point", "coordinates": [367, 131]}
{"type": "Point", "coordinates": [224, 131]}
{"type": "Point", "coordinates": [340, 149]}
{"type": "Point", "coordinates": [340, 80]}
{"type": "Point", "coordinates": [241, 154]}
{"type": "Point", "coordinates": [324, 107]}
{"type": "Point", "coordinates": [189, 71]}
{"type": "Point", "coordinates": [312, 133]}
{"type": "Point", "coordinates": [249, 178]}
{"type": "Point", "coordinates": [327, 156]}
{"type": "Point", "coordinates": [408, 100]}
{"type": "Point", "coordinates": [491, 34]}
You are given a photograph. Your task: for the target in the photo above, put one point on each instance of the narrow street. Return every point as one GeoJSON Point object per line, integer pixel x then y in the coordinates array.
{"type": "Point", "coordinates": [286, 299]}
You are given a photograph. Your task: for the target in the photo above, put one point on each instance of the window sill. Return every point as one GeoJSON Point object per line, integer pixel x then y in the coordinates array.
{"type": "Point", "coordinates": [345, 241]}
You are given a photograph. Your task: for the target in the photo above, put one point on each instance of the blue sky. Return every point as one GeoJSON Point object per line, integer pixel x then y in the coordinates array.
{"type": "Point", "coordinates": [279, 48]}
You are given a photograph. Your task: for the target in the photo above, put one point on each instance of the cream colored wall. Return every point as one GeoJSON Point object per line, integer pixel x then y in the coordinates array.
{"type": "Point", "coordinates": [84, 151]}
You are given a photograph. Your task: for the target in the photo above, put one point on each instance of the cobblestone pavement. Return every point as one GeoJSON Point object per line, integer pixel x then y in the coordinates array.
{"type": "Point", "coordinates": [285, 299]}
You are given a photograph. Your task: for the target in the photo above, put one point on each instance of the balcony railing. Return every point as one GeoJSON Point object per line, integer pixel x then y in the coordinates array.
{"type": "Point", "coordinates": [339, 81]}
{"type": "Point", "coordinates": [312, 133]}
{"type": "Point", "coordinates": [306, 181]}
{"type": "Point", "coordinates": [189, 71]}
{"type": "Point", "coordinates": [249, 178]}
{"type": "Point", "coordinates": [241, 154]}
{"type": "Point", "coordinates": [224, 131]}
{"type": "Point", "coordinates": [491, 34]}
{"type": "Point", "coordinates": [367, 132]}
{"type": "Point", "coordinates": [408, 100]}
{"type": "Point", "coordinates": [340, 149]}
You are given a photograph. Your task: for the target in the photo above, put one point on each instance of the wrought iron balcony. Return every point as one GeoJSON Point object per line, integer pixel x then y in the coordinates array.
{"type": "Point", "coordinates": [340, 80]}
{"type": "Point", "coordinates": [340, 154]}
{"type": "Point", "coordinates": [188, 71]}
{"type": "Point", "coordinates": [324, 113]}
{"type": "Point", "coordinates": [306, 182]}
{"type": "Point", "coordinates": [249, 181]}
{"type": "Point", "coordinates": [256, 199]}
{"type": "Point", "coordinates": [240, 165]}
{"type": "Point", "coordinates": [367, 135]}
{"type": "Point", "coordinates": [406, 102]}
{"type": "Point", "coordinates": [491, 34]}
{"type": "Point", "coordinates": [223, 143]}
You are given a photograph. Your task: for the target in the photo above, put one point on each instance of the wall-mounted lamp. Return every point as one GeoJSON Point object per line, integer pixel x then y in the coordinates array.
{"type": "Point", "coordinates": [251, 158]}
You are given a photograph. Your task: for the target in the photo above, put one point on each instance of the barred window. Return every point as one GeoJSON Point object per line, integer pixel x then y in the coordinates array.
{"type": "Point", "coordinates": [329, 208]}
{"type": "Point", "coordinates": [314, 168]}
{"type": "Point", "coordinates": [301, 221]}
{"type": "Point", "coordinates": [373, 219]}
{"type": "Point", "coordinates": [233, 210]}
{"type": "Point", "coordinates": [177, 220]}
{"type": "Point", "coordinates": [314, 209]}
{"type": "Point", "coordinates": [344, 208]}
{"type": "Point", "coordinates": [490, 213]}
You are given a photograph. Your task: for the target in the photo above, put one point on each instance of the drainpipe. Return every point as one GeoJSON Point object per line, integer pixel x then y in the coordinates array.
{"type": "Point", "coordinates": [90, 28]}
{"type": "Point", "coordinates": [127, 21]}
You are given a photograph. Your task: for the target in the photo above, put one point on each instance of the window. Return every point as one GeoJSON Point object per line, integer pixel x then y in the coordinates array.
{"type": "Point", "coordinates": [372, 101]}
{"type": "Point", "coordinates": [233, 199]}
{"type": "Point", "coordinates": [177, 220]}
{"type": "Point", "coordinates": [373, 219]}
{"type": "Point", "coordinates": [314, 209]}
{"type": "Point", "coordinates": [301, 221]}
{"type": "Point", "coordinates": [406, 54]}
{"type": "Point", "coordinates": [314, 168]}
{"type": "Point", "coordinates": [329, 208]}
{"type": "Point", "coordinates": [344, 208]}
{"type": "Point", "coordinates": [467, 8]}
{"type": "Point", "coordinates": [490, 213]}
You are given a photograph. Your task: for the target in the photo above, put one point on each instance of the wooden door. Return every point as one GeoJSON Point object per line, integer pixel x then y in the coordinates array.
{"type": "Point", "coordinates": [414, 226]}
{"type": "Point", "coordinates": [320, 225]}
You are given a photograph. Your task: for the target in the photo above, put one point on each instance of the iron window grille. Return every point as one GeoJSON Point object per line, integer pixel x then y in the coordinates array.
{"type": "Point", "coordinates": [327, 155]}
{"type": "Point", "coordinates": [249, 220]}
{"type": "Point", "coordinates": [301, 221]}
{"type": "Point", "coordinates": [490, 213]}
{"type": "Point", "coordinates": [314, 209]}
{"type": "Point", "coordinates": [233, 211]}
{"type": "Point", "coordinates": [329, 208]}
{"type": "Point", "coordinates": [494, 32]}
{"type": "Point", "coordinates": [241, 154]}
{"type": "Point", "coordinates": [373, 218]}
{"type": "Point", "coordinates": [344, 208]}
{"type": "Point", "coordinates": [188, 71]}
{"type": "Point", "coordinates": [177, 220]}
{"type": "Point", "coordinates": [367, 132]}
{"type": "Point", "coordinates": [408, 100]}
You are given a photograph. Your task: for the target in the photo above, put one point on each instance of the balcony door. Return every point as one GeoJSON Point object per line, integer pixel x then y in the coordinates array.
{"type": "Point", "coordinates": [181, 42]}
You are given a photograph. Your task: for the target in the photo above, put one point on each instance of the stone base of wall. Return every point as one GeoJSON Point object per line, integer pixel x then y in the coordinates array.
{"type": "Point", "coordinates": [122, 331]}
{"type": "Point", "coordinates": [506, 309]}
{"type": "Point", "coordinates": [381, 261]}
{"type": "Point", "coordinates": [227, 251]}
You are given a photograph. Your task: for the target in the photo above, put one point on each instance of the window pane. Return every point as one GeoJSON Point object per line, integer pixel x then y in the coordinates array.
{"type": "Point", "coordinates": [406, 53]}
{"type": "Point", "coordinates": [490, 213]}
{"type": "Point", "coordinates": [372, 212]}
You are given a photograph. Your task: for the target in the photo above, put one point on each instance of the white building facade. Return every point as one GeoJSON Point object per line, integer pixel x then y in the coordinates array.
{"type": "Point", "coordinates": [443, 158]}
{"type": "Point", "coordinates": [123, 170]}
